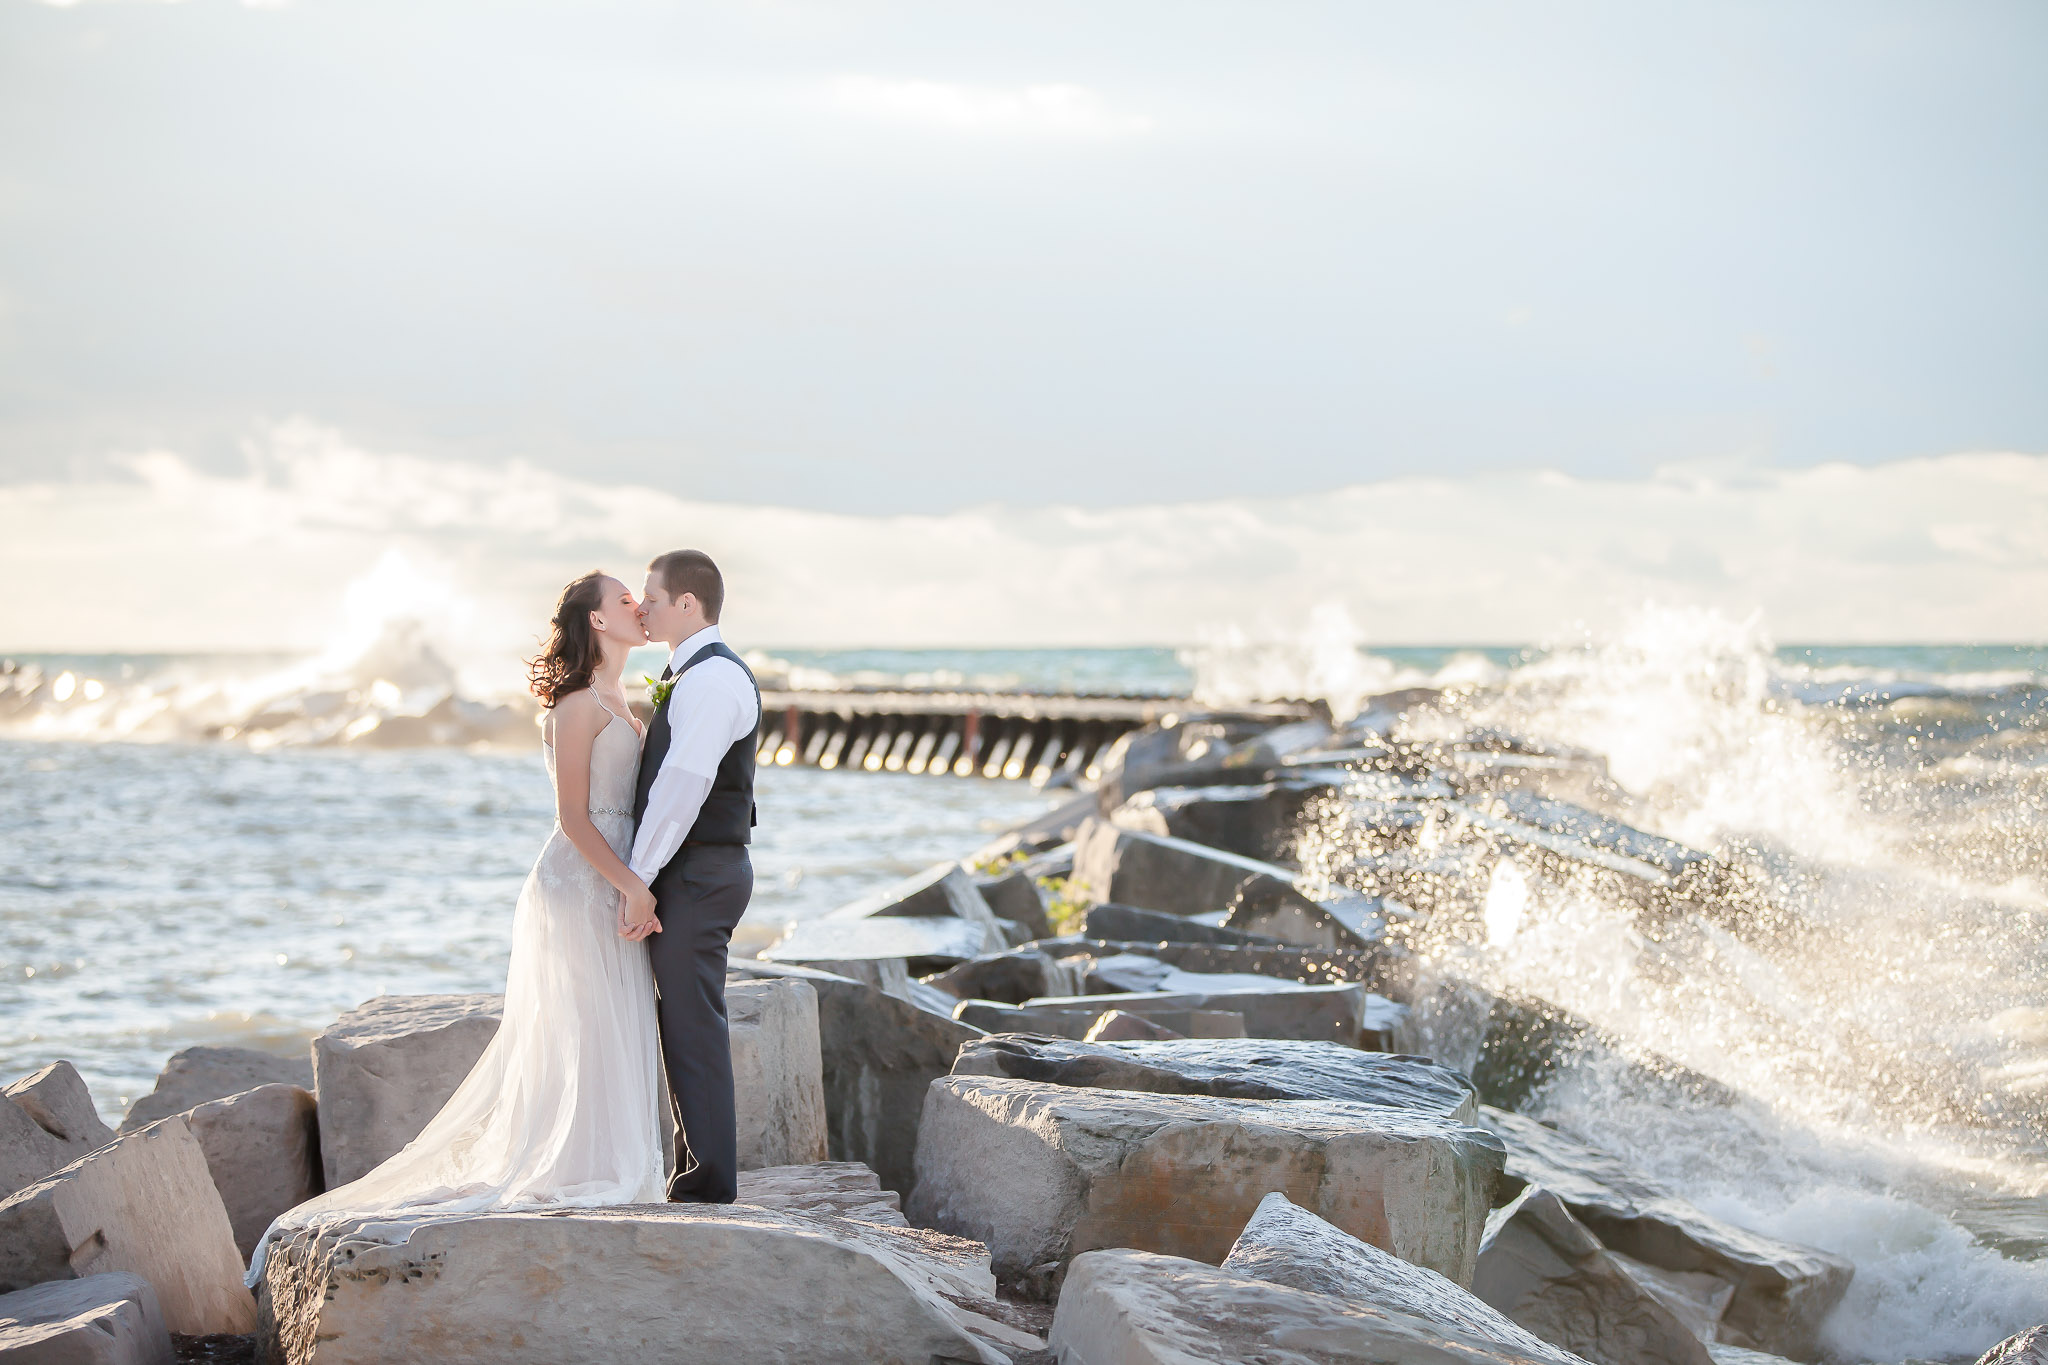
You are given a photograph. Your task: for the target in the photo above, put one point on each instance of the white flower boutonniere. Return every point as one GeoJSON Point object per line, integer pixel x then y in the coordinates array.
{"type": "Point", "coordinates": [658, 689]}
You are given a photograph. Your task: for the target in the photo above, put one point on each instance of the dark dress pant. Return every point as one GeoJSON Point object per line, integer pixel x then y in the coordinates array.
{"type": "Point", "coordinates": [698, 898]}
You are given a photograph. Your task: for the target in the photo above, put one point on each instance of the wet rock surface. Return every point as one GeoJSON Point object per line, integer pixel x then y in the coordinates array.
{"type": "Point", "coordinates": [1137, 1308]}
{"type": "Point", "coordinates": [1541, 1267]}
{"type": "Point", "coordinates": [1781, 1291]}
{"type": "Point", "coordinates": [1291, 1246]}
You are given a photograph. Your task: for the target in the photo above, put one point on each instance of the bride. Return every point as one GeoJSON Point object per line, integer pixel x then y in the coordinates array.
{"type": "Point", "coordinates": [565, 1105]}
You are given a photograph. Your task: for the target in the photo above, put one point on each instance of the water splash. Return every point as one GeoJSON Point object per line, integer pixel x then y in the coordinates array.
{"type": "Point", "coordinates": [1885, 1024]}
{"type": "Point", "coordinates": [1324, 660]}
{"type": "Point", "coordinates": [408, 661]}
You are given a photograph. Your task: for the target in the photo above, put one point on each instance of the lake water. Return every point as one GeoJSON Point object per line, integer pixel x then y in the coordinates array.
{"type": "Point", "coordinates": [159, 888]}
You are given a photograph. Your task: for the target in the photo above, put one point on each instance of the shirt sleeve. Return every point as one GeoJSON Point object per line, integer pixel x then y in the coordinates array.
{"type": "Point", "coordinates": [705, 717]}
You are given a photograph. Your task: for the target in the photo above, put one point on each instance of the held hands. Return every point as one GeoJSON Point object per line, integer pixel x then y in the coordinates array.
{"type": "Point", "coordinates": [636, 913]}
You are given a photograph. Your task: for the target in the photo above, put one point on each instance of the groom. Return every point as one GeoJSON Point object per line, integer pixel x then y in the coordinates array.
{"type": "Point", "coordinates": [693, 818]}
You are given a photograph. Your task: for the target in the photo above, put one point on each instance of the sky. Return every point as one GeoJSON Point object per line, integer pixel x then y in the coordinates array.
{"type": "Point", "coordinates": [1480, 320]}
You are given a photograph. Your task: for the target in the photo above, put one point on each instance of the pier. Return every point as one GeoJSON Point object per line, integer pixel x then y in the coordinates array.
{"type": "Point", "coordinates": [1049, 739]}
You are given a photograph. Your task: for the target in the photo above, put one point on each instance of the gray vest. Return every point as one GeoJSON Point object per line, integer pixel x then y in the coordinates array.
{"type": "Point", "coordinates": [728, 816]}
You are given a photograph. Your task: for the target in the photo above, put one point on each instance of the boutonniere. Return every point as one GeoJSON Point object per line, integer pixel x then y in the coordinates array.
{"type": "Point", "coordinates": [658, 689]}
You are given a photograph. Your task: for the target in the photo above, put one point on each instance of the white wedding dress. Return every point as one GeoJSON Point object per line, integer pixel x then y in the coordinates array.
{"type": "Point", "coordinates": [565, 1106]}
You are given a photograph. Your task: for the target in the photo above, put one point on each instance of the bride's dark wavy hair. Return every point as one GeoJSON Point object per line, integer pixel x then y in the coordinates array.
{"type": "Point", "coordinates": [571, 654]}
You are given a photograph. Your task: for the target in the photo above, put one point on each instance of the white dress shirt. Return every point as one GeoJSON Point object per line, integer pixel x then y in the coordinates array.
{"type": "Point", "coordinates": [710, 708]}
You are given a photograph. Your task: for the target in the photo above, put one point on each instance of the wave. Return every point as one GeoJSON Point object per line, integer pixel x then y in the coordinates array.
{"type": "Point", "coordinates": [1875, 1005]}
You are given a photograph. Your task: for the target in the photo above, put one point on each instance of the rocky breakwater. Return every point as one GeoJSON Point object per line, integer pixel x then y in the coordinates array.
{"type": "Point", "coordinates": [1215, 1030]}
{"type": "Point", "coordinates": [1105, 1091]}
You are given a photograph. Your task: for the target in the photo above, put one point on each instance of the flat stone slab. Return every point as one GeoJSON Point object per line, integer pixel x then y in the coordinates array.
{"type": "Point", "coordinates": [110, 1319]}
{"type": "Point", "coordinates": [1344, 1012]}
{"type": "Point", "coordinates": [1782, 1290]}
{"type": "Point", "coordinates": [263, 1150]}
{"type": "Point", "coordinates": [1232, 1068]}
{"type": "Point", "coordinates": [1291, 1246]}
{"type": "Point", "coordinates": [1044, 1172]}
{"type": "Point", "coordinates": [1143, 972]}
{"type": "Point", "coordinates": [936, 938]}
{"type": "Point", "coordinates": [636, 1282]}
{"type": "Point", "coordinates": [144, 1204]}
{"type": "Point", "coordinates": [1541, 1267]}
{"type": "Point", "coordinates": [199, 1074]}
{"type": "Point", "coordinates": [1130, 924]}
{"type": "Point", "coordinates": [1126, 1307]}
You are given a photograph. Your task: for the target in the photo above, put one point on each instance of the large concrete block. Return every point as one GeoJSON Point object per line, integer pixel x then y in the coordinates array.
{"type": "Point", "coordinates": [199, 1074]}
{"type": "Point", "coordinates": [1135, 1308]}
{"type": "Point", "coordinates": [263, 1149]}
{"type": "Point", "coordinates": [47, 1120]}
{"type": "Point", "coordinates": [1014, 895]}
{"type": "Point", "coordinates": [1233, 1068]}
{"type": "Point", "coordinates": [110, 1319]}
{"type": "Point", "coordinates": [880, 1055]}
{"type": "Point", "coordinates": [777, 1075]}
{"type": "Point", "coordinates": [57, 1099]}
{"type": "Point", "coordinates": [1258, 821]}
{"type": "Point", "coordinates": [1541, 1267]}
{"type": "Point", "coordinates": [1042, 1173]}
{"type": "Point", "coordinates": [1291, 1246]}
{"type": "Point", "coordinates": [145, 1204]}
{"type": "Point", "coordinates": [1013, 977]}
{"type": "Point", "coordinates": [1781, 1290]}
{"type": "Point", "coordinates": [732, 1283]}
{"type": "Point", "coordinates": [28, 1152]}
{"type": "Point", "coordinates": [1175, 876]}
{"type": "Point", "coordinates": [387, 1066]}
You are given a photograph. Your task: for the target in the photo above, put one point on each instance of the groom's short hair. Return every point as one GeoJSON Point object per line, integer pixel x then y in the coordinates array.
{"type": "Point", "coordinates": [691, 571]}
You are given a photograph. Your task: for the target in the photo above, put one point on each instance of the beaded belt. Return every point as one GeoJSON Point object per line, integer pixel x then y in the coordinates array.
{"type": "Point", "coordinates": [609, 810]}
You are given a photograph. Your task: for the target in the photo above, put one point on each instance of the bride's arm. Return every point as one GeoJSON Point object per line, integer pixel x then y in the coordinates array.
{"type": "Point", "coordinates": [577, 722]}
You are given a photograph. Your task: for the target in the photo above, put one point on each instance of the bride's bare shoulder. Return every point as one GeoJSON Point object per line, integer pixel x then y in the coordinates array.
{"type": "Point", "coordinates": [576, 713]}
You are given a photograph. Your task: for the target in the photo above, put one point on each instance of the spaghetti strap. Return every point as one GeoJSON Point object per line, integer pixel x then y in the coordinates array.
{"type": "Point", "coordinates": [600, 701]}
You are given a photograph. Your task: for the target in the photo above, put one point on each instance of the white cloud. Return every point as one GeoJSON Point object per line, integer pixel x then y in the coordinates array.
{"type": "Point", "coordinates": [1032, 110]}
{"type": "Point", "coordinates": [173, 558]}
